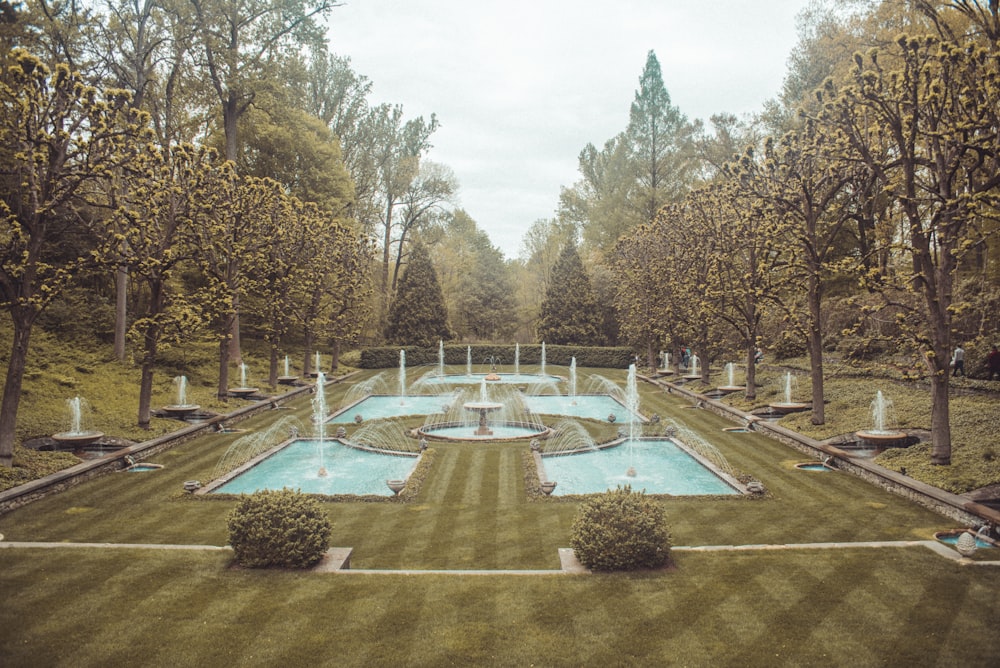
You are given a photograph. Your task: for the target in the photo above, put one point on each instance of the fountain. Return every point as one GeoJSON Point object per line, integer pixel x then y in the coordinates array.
{"type": "Point", "coordinates": [402, 377]}
{"type": "Point", "coordinates": [468, 360]}
{"type": "Point", "coordinates": [517, 359]}
{"type": "Point", "coordinates": [319, 418]}
{"type": "Point", "coordinates": [542, 372]}
{"type": "Point", "coordinates": [692, 369]}
{"type": "Point", "coordinates": [182, 407]}
{"type": "Point", "coordinates": [665, 359]}
{"type": "Point", "coordinates": [879, 435]}
{"type": "Point", "coordinates": [788, 406]}
{"type": "Point", "coordinates": [243, 391]}
{"type": "Point", "coordinates": [317, 365]}
{"type": "Point", "coordinates": [287, 378]}
{"type": "Point", "coordinates": [484, 406]}
{"type": "Point", "coordinates": [77, 436]}
{"type": "Point", "coordinates": [730, 385]}
{"type": "Point", "coordinates": [440, 358]}
{"type": "Point", "coordinates": [572, 377]}
{"type": "Point", "coordinates": [632, 403]}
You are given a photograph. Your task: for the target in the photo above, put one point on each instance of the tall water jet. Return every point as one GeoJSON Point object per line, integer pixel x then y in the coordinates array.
{"type": "Point", "coordinates": [881, 434]}
{"type": "Point", "coordinates": [572, 377]}
{"type": "Point", "coordinates": [517, 359]}
{"type": "Point", "coordinates": [319, 418]}
{"type": "Point", "coordinates": [665, 356]}
{"type": "Point", "coordinates": [440, 357]}
{"type": "Point", "coordinates": [402, 374]}
{"type": "Point", "coordinates": [543, 359]}
{"type": "Point", "coordinates": [77, 435]}
{"type": "Point", "coordinates": [287, 370]}
{"type": "Point", "coordinates": [468, 360]}
{"type": "Point", "coordinates": [632, 400]}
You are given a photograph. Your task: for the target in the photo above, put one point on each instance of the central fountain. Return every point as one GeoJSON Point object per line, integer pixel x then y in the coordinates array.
{"type": "Point", "coordinates": [287, 378]}
{"type": "Point", "coordinates": [484, 407]}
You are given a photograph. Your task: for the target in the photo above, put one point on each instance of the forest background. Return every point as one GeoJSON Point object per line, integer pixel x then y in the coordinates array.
{"type": "Point", "coordinates": [208, 170]}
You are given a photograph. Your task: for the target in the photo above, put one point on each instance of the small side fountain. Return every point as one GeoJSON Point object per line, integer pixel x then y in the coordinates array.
{"type": "Point", "coordinates": [287, 378]}
{"type": "Point", "coordinates": [440, 358]}
{"type": "Point", "coordinates": [880, 435]}
{"type": "Point", "coordinates": [77, 436]}
{"type": "Point", "coordinates": [182, 408]}
{"type": "Point", "coordinates": [243, 391]}
{"type": "Point", "coordinates": [693, 373]}
{"type": "Point", "coordinates": [730, 385]}
{"type": "Point", "coordinates": [572, 379]}
{"type": "Point", "coordinates": [788, 406]}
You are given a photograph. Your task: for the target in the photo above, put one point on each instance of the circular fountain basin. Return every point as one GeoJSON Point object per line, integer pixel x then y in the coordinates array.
{"type": "Point", "coordinates": [77, 439]}
{"type": "Point", "coordinates": [951, 538]}
{"type": "Point", "coordinates": [180, 410]}
{"type": "Point", "coordinates": [143, 467]}
{"type": "Point", "coordinates": [880, 438]}
{"type": "Point", "coordinates": [287, 380]}
{"type": "Point", "coordinates": [813, 466]}
{"type": "Point", "coordinates": [785, 407]}
{"type": "Point", "coordinates": [242, 392]}
{"type": "Point", "coordinates": [500, 431]}
{"type": "Point", "coordinates": [482, 406]}
{"type": "Point", "coordinates": [729, 389]}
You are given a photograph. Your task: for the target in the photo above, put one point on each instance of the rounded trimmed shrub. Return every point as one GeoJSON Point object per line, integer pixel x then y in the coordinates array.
{"type": "Point", "coordinates": [279, 528]}
{"type": "Point", "coordinates": [621, 530]}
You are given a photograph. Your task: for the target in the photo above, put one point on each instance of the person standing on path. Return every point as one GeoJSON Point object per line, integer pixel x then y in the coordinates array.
{"type": "Point", "coordinates": [958, 361]}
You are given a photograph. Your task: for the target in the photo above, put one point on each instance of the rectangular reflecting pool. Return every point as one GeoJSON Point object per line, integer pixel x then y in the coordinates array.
{"type": "Point", "coordinates": [380, 406]}
{"type": "Point", "coordinates": [594, 406]}
{"type": "Point", "coordinates": [660, 467]}
{"type": "Point", "coordinates": [298, 465]}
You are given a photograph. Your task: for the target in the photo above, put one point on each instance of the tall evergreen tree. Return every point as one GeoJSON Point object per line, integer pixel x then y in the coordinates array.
{"type": "Point", "coordinates": [570, 313]}
{"type": "Point", "coordinates": [418, 316]}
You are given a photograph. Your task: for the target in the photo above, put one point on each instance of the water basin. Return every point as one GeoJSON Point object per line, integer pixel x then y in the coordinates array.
{"type": "Point", "coordinates": [812, 466]}
{"type": "Point", "coordinates": [951, 538]}
{"type": "Point", "coordinates": [660, 466]}
{"type": "Point", "coordinates": [299, 464]}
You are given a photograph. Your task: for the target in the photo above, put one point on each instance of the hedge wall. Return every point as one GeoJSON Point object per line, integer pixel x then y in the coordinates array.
{"type": "Point", "coordinates": [503, 355]}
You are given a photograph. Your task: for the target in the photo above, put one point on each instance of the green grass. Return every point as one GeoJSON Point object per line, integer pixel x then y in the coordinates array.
{"type": "Point", "coordinates": [892, 606]}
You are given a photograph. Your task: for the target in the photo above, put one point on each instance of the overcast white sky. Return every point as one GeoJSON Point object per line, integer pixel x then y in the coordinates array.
{"type": "Point", "coordinates": [521, 86]}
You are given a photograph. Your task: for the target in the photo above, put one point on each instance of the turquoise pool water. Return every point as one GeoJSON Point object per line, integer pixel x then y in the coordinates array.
{"type": "Point", "coordinates": [297, 465]}
{"type": "Point", "coordinates": [381, 406]}
{"type": "Point", "coordinates": [477, 378]}
{"type": "Point", "coordinates": [595, 406]}
{"type": "Point", "coordinates": [661, 467]}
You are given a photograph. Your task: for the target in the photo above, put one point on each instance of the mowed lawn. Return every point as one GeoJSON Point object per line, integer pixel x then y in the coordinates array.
{"type": "Point", "coordinates": [140, 606]}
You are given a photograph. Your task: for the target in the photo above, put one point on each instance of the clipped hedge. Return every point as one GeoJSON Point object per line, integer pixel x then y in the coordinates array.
{"type": "Point", "coordinates": [502, 355]}
{"type": "Point", "coordinates": [283, 528]}
{"type": "Point", "coordinates": [621, 530]}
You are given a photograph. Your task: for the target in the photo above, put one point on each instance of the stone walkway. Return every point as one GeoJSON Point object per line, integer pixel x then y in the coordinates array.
{"type": "Point", "coordinates": [337, 559]}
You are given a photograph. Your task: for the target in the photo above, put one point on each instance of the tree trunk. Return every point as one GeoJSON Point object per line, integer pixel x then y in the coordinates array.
{"type": "Point", "coordinates": [307, 365]}
{"type": "Point", "coordinates": [940, 424]}
{"type": "Point", "coordinates": [750, 391]}
{"type": "Point", "coordinates": [121, 312]}
{"type": "Point", "coordinates": [235, 355]}
{"type": "Point", "coordinates": [816, 351]}
{"type": "Point", "coordinates": [12, 387]}
{"type": "Point", "coordinates": [651, 354]}
{"type": "Point", "coordinates": [272, 377]}
{"type": "Point", "coordinates": [145, 392]}
{"type": "Point", "coordinates": [223, 389]}
{"type": "Point", "coordinates": [335, 362]}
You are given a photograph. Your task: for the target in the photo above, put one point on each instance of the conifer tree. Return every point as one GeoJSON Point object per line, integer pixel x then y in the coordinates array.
{"type": "Point", "coordinates": [570, 313]}
{"type": "Point", "coordinates": [418, 316]}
